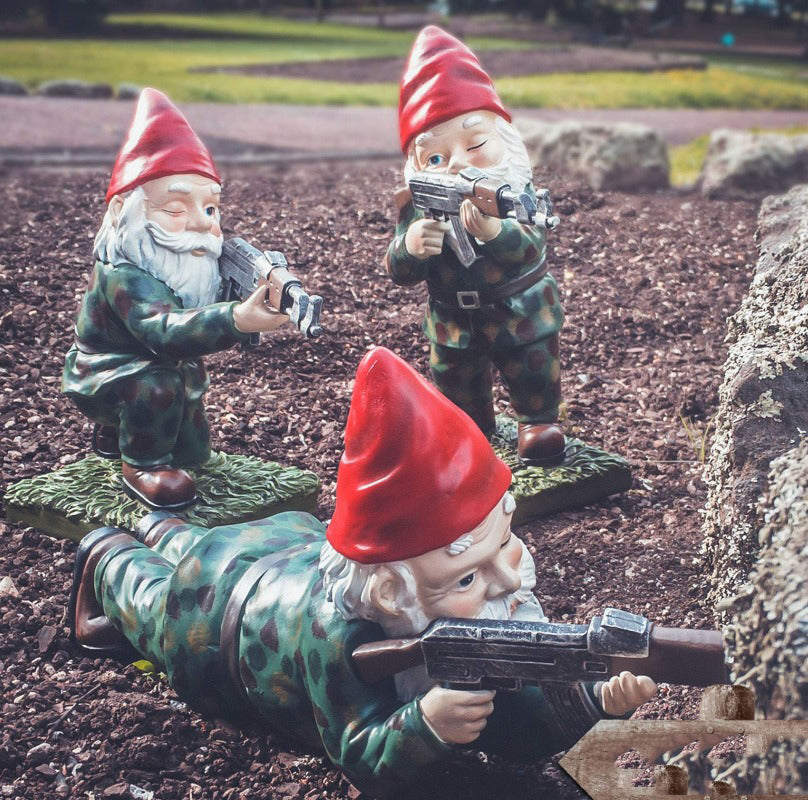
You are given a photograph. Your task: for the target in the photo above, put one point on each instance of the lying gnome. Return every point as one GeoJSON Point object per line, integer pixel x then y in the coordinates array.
{"type": "Point", "coordinates": [262, 618]}
{"type": "Point", "coordinates": [150, 310]}
{"type": "Point", "coordinates": [503, 308]}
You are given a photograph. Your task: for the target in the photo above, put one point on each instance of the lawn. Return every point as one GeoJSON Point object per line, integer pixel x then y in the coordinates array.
{"type": "Point", "coordinates": [161, 50]}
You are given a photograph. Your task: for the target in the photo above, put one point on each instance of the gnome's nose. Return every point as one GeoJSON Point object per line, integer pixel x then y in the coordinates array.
{"type": "Point", "coordinates": [200, 222]}
{"type": "Point", "coordinates": [504, 580]}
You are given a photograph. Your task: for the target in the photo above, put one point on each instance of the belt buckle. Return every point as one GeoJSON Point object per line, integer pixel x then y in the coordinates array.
{"type": "Point", "coordinates": [468, 300]}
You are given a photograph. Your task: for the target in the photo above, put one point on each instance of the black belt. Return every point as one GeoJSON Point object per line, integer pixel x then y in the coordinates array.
{"type": "Point", "coordinates": [234, 611]}
{"type": "Point", "coordinates": [471, 299]}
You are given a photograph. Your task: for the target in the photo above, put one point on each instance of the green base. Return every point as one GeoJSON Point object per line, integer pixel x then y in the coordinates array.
{"type": "Point", "coordinates": [75, 499]}
{"type": "Point", "coordinates": [586, 475]}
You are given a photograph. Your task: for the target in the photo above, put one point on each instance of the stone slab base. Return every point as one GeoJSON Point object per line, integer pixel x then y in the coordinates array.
{"type": "Point", "coordinates": [586, 475]}
{"type": "Point", "coordinates": [73, 500]}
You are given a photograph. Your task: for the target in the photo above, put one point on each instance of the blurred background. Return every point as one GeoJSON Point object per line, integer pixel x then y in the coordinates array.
{"type": "Point", "coordinates": [682, 67]}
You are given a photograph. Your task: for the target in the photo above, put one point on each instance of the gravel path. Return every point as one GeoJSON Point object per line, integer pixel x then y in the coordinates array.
{"type": "Point", "coordinates": [38, 124]}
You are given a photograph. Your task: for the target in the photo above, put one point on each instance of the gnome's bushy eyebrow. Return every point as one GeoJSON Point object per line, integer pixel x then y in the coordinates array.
{"type": "Point", "coordinates": [179, 186]}
{"type": "Point", "coordinates": [423, 138]}
{"type": "Point", "coordinates": [470, 122]}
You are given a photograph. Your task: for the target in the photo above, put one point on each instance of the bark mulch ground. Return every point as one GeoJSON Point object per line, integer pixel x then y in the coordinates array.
{"type": "Point", "coordinates": [647, 280]}
{"type": "Point", "coordinates": [498, 64]}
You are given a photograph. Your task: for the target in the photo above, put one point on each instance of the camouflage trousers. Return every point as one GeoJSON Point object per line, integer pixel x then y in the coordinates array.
{"type": "Point", "coordinates": [531, 374]}
{"type": "Point", "coordinates": [157, 421]}
{"type": "Point", "coordinates": [168, 601]}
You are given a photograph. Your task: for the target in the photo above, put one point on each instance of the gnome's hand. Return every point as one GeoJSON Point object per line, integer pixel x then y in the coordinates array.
{"type": "Point", "coordinates": [455, 716]}
{"type": "Point", "coordinates": [424, 238]}
{"type": "Point", "coordinates": [479, 225]}
{"type": "Point", "coordinates": [254, 315]}
{"type": "Point", "coordinates": [625, 692]}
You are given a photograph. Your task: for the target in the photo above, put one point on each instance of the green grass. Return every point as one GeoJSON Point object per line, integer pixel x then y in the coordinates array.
{"type": "Point", "coordinates": [176, 44]}
{"type": "Point", "coordinates": [687, 159]}
{"type": "Point", "coordinates": [715, 87]}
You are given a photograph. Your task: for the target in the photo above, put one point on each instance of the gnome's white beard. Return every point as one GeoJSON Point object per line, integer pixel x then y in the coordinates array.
{"type": "Point", "coordinates": [520, 605]}
{"type": "Point", "coordinates": [514, 169]}
{"type": "Point", "coordinates": [167, 256]}
{"type": "Point", "coordinates": [346, 582]}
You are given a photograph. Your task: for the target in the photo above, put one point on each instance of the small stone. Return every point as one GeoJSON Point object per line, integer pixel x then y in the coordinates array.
{"type": "Point", "coordinates": [47, 770]}
{"type": "Point", "coordinates": [9, 86]}
{"type": "Point", "coordinates": [74, 88]}
{"type": "Point", "coordinates": [116, 790]}
{"type": "Point", "coordinates": [127, 91]}
{"type": "Point", "coordinates": [40, 753]}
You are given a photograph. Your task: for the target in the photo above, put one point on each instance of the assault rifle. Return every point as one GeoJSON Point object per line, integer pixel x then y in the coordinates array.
{"type": "Point", "coordinates": [440, 195]}
{"type": "Point", "coordinates": [492, 654]}
{"type": "Point", "coordinates": [243, 268]}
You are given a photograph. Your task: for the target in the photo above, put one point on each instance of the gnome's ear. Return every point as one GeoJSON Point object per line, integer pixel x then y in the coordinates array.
{"type": "Point", "coordinates": [115, 208]}
{"type": "Point", "coordinates": [384, 589]}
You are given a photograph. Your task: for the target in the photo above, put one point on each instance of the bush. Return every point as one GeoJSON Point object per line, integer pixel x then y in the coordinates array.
{"type": "Point", "coordinates": [74, 16]}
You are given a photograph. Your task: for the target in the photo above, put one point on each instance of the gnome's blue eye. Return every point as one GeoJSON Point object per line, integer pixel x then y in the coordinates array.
{"type": "Point", "coordinates": [436, 160]}
{"type": "Point", "coordinates": [467, 581]}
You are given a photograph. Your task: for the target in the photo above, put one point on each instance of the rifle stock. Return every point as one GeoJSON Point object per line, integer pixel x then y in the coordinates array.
{"type": "Point", "coordinates": [473, 654]}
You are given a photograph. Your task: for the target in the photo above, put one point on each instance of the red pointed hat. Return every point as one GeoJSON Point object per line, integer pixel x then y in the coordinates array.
{"type": "Point", "coordinates": [416, 473]}
{"type": "Point", "coordinates": [160, 142]}
{"type": "Point", "coordinates": [442, 79]}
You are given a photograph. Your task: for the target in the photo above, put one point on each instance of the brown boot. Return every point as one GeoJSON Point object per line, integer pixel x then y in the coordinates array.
{"type": "Point", "coordinates": [105, 441]}
{"type": "Point", "coordinates": [541, 444]}
{"type": "Point", "coordinates": [91, 632]}
{"type": "Point", "coordinates": [159, 487]}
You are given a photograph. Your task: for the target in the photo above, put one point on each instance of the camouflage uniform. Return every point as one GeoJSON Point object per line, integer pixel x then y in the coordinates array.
{"type": "Point", "coordinates": [288, 663]}
{"type": "Point", "coordinates": [518, 334]}
{"type": "Point", "coordinates": [136, 364]}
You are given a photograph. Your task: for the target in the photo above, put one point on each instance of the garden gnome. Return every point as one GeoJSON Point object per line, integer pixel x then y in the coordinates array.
{"type": "Point", "coordinates": [264, 616]}
{"type": "Point", "coordinates": [150, 313]}
{"type": "Point", "coordinates": [504, 309]}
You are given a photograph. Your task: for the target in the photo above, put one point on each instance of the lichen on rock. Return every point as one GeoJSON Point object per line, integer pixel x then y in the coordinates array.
{"type": "Point", "coordinates": [763, 411]}
{"type": "Point", "coordinates": [768, 631]}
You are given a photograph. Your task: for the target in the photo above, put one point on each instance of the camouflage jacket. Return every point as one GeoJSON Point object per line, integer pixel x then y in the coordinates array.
{"type": "Point", "coordinates": [520, 319]}
{"type": "Point", "coordinates": [130, 321]}
{"type": "Point", "coordinates": [293, 658]}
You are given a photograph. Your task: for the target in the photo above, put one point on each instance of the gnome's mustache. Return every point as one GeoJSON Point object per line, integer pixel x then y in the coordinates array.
{"type": "Point", "coordinates": [185, 241]}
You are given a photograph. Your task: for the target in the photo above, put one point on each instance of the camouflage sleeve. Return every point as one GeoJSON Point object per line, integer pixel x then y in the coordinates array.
{"type": "Point", "coordinates": [367, 732]}
{"type": "Point", "coordinates": [404, 269]}
{"type": "Point", "coordinates": [517, 245]}
{"type": "Point", "coordinates": [147, 309]}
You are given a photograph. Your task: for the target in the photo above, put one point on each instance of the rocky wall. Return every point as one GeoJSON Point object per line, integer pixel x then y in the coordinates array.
{"type": "Point", "coordinates": [768, 632]}
{"type": "Point", "coordinates": [763, 401]}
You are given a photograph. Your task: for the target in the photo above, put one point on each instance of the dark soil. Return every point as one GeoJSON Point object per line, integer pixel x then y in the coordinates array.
{"type": "Point", "coordinates": [498, 64]}
{"type": "Point", "coordinates": [647, 281]}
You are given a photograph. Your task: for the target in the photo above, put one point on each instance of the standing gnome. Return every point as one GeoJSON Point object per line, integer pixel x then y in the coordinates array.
{"type": "Point", "coordinates": [503, 308]}
{"type": "Point", "coordinates": [150, 310]}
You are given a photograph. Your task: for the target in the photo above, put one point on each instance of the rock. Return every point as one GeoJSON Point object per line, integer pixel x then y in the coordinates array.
{"type": "Point", "coordinates": [740, 164]}
{"type": "Point", "coordinates": [767, 633]}
{"type": "Point", "coordinates": [8, 587]}
{"type": "Point", "coordinates": [762, 410]}
{"type": "Point", "coordinates": [45, 637]}
{"type": "Point", "coordinates": [619, 156]}
{"type": "Point", "coordinates": [10, 86]}
{"type": "Point", "coordinates": [117, 790]}
{"type": "Point", "coordinates": [75, 88]}
{"type": "Point", "coordinates": [40, 753]}
{"type": "Point", "coordinates": [127, 91]}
